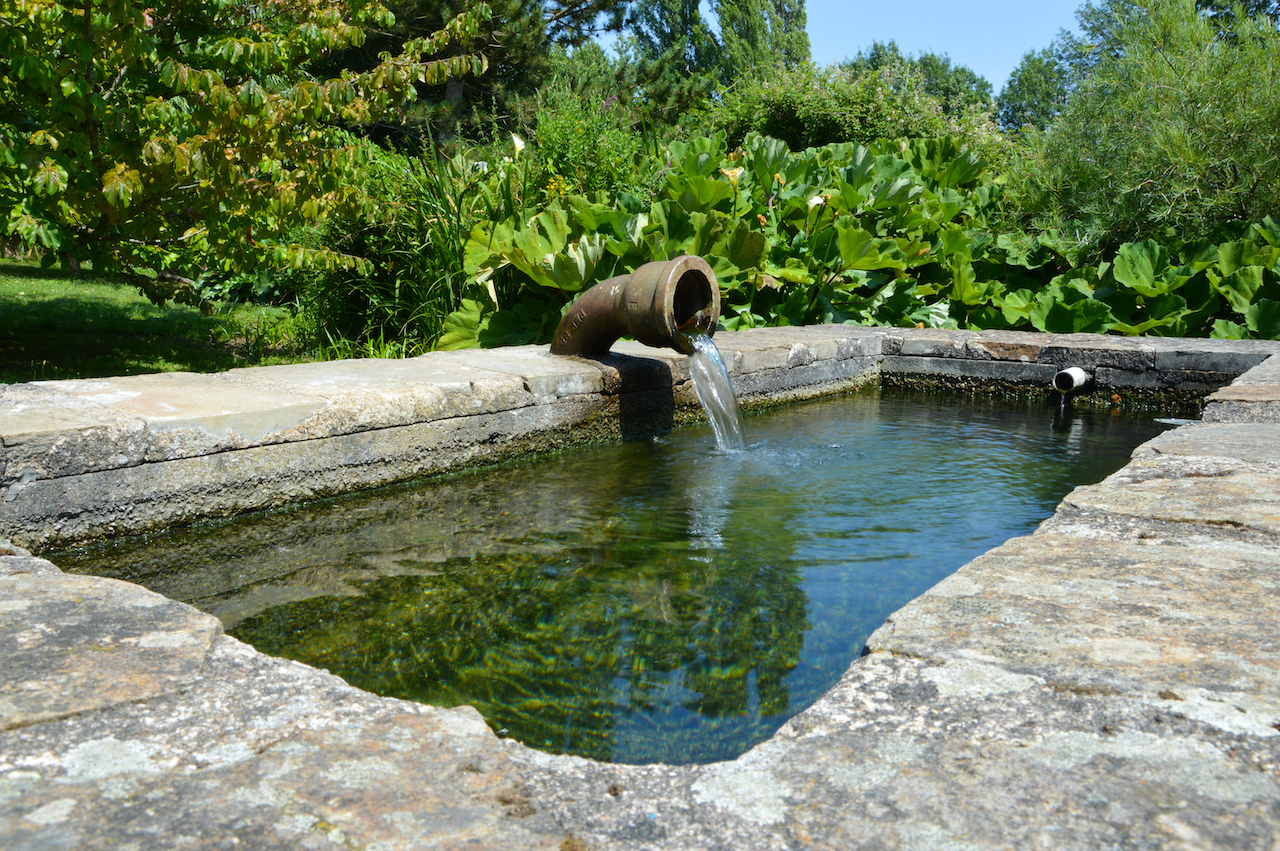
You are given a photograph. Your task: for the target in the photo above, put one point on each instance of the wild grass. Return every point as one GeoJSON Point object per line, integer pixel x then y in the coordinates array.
{"type": "Point", "coordinates": [56, 327]}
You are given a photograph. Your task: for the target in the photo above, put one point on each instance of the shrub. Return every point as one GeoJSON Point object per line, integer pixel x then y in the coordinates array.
{"type": "Point", "coordinates": [412, 231]}
{"type": "Point", "coordinates": [584, 144]}
{"type": "Point", "coordinates": [1174, 136]}
{"type": "Point", "coordinates": [810, 106]}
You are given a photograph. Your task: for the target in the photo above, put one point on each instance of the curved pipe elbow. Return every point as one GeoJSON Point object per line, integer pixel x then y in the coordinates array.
{"type": "Point", "coordinates": [660, 304]}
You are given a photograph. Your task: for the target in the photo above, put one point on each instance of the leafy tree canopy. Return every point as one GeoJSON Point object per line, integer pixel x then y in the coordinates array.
{"type": "Point", "coordinates": [675, 31]}
{"type": "Point", "coordinates": [517, 37]}
{"type": "Point", "coordinates": [1039, 87]}
{"type": "Point", "coordinates": [761, 34]}
{"type": "Point", "coordinates": [1035, 92]}
{"type": "Point", "coordinates": [168, 141]}
{"type": "Point", "coordinates": [1173, 134]}
{"type": "Point", "coordinates": [956, 87]}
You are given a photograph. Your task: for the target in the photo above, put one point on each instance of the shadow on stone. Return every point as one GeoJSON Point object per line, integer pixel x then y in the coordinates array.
{"type": "Point", "coordinates": [646, 404]}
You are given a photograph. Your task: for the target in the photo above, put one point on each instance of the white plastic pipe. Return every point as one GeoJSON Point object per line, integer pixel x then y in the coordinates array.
{"type": "Point", "coordinates": [1073, 379]}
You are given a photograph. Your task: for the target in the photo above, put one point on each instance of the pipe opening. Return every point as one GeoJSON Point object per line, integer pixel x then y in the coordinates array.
{"type": "Point", "coordinates": [1073, 379]}
{"type": "Point", "coordinates": [692, 297]}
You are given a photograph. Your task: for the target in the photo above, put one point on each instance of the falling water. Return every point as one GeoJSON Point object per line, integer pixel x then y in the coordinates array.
{"type": "Point", "coordinates": [715, 392]}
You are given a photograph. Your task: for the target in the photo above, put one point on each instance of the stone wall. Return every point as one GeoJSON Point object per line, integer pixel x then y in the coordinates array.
{"type": "Point", "coordinates": [96, 457]}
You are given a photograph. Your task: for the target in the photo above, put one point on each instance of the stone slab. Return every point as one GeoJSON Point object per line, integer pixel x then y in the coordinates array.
{"type": "Point", "coordinates": [1090, 351]}
{"type": "Point", "coordinates": [1195, 625]}
{"type": "Point", "coordinates": [1179, 380]}
{"type": "Point", "coordinates": [363, 395]}
{"type": "Point", "coordinates": [906, 753]}
{"type": "Point", "coordinates": [1256, 444]}
{"type": "Point", "coordinates": [76, 643]}
{"type": "Point", "coordinates": [1205, 493]}
{"type": "Point", "coordinates": [47, 433]}
{"type": "Point", "coordinates": [151, 496]}
{"type": "Point", "coordinates": [1018, 346]}
{"type": "Point", "coordinates": [1266, 372]}
{"type": "Point", "coordinates": [805, 381]}
{"type": "Point", "coordinates": [545, 376]}
{"type": "Point", "coordinates": [265, 753]}
{"type": "Point", "coordinates": [230, 413]}
{"type": "Point", "coordinates": [1233, 356]}
{"type": "Point", "coordinates": [927, 342]}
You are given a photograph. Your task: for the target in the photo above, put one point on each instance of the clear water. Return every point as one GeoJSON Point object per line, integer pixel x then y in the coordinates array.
{"type": "Point", "coordinates": [715, 393]}
{"type": "Point", "coordinates": [658, 600]}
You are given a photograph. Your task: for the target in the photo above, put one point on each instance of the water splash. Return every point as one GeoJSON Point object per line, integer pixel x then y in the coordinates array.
{"type": "Point", "coordinates": [715, 392]}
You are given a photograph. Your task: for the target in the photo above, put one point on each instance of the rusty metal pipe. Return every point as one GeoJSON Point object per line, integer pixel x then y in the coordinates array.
{"type": "Point", "coordinates": [659, 304]}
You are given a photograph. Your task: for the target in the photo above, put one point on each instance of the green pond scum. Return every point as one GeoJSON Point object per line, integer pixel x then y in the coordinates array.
{"type": "Point", "coordinates": [649, 601]}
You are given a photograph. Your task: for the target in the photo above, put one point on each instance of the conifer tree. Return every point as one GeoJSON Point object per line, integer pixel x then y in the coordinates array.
{"type": "Point", "coordinates": [757, 34]}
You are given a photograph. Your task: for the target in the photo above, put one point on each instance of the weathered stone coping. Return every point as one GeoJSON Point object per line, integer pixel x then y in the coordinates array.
{"type": "Point", "coordinates": [87, 458]}
{"type": "Point", "coordinates": [1110, 681]}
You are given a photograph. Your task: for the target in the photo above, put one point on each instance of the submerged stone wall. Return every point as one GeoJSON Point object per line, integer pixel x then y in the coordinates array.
{"type": "Point", "coordinates": [1110, 681]}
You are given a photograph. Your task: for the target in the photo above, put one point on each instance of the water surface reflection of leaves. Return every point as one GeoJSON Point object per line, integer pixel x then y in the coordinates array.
{"type": "Point", "coordinates": [556, 643]}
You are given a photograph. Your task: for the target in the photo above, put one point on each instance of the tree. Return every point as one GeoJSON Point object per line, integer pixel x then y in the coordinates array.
{"type": "Point", "coordinates": [169, 140]}
{"type": "Point", "coordinates": [957, 87]}
{"type": "Point", "coordinates": [1224, 12]}
{"type": "Point", "coordinates": [517, 37]}
{"type": "Point", "coordinates": [1035, 93]}
{"type": "Point", "coordinates": [744, 35]}
{"type": "Point", "coordinates": [1173, 134]}
{"type": "Point", "coordinates": [675, 31]}
{"type": "Point", "coordinates": [758, 34]}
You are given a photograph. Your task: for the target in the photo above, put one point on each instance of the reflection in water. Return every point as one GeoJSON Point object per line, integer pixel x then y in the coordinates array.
{"type": "Point", "coordinates": [650, 601]}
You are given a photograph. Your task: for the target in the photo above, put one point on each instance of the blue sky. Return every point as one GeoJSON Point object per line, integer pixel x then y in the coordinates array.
{"type": "Point", "coordinates": [990, 36]}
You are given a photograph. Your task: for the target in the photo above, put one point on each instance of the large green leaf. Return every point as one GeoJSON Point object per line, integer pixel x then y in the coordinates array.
{"type": "Point", "coordinates": [742, 245]}
{"type": "Point", "coordinates": [1240, 286]}
{"type": "Point", "coordinates": [766, 157]}
{"type": "Point", "coordinates": [1165, 313]}
{"type": "Point", "coordinates": [1234, 256]}
{"type": "Point", "coordinates": [1016, 306]}
{"type": "Point", "coordinates": [943, 163]}
{"type": "Point", "coordinates": [695, 193]}
{"type": "Point", "coordinates": [1062, 309]}
{"type": "Point", "coordinates": [697, 157]}
{"type": "Point", "coordinates": [1226, 330]}
{"type": "Point", "coordinates": [1263, 319]}
{"type": "Point", "coordinates": [462, 327]}
{"type": "Point", "coordinates": [1142, 266]}
{"type": "Point", "coordinates": [861, 250]}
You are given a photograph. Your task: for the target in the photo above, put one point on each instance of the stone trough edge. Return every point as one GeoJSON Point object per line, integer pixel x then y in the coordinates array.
{"type": "Point", "coordinates": [131, 721]}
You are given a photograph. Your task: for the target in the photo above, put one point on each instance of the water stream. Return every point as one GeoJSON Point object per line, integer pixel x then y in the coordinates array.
{"type": "Point", "coordinates": [715, 392]}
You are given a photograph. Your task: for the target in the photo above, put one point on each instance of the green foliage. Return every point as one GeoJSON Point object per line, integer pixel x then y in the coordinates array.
{"type": "Point", "coordinates": [517, 36]}
{"type": "Point", "coordinates": [956, 87]}
{"type": "Point", "coordinates": [164, 142]}
{"type": "Point", "coordinates": [675, 32]}
{"type": "Point", "coordinates": [1035, 93]}
{"type": "Point", "coordinates": [412, 230]}
{"type": "Point", "coordinates": [810, 106]}
{"type": "Point", "coordinates": [584, 145]}
{"type": "Point", "coordinates": [1173, 135]}
{"type": "Point", "coordinates": [756, 35]}
{"type": "Point", "coordinates": [792, 238]}
{"type": "Point", "coordinates": [893, 233]}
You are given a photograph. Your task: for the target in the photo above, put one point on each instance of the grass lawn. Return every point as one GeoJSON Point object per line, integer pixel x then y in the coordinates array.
{"type": "Point", "coordinates": [52, 326]}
